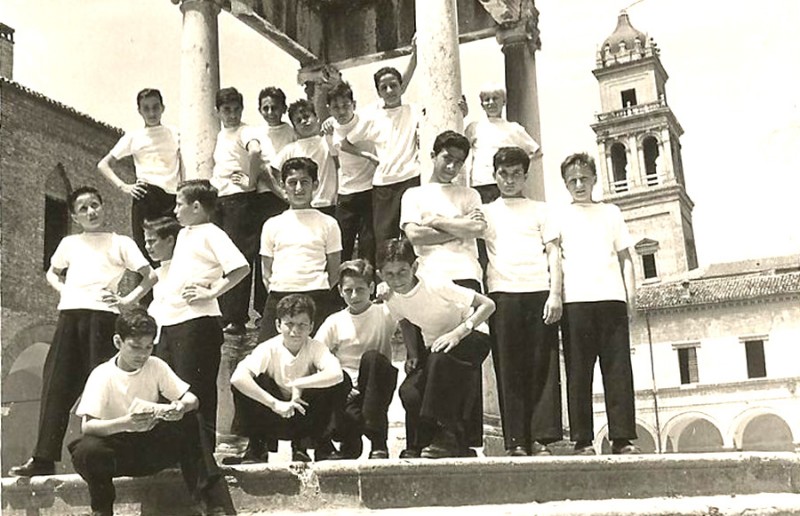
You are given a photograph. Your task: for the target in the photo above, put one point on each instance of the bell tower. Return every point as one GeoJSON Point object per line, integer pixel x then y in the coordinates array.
{"type": "Point", "coordinates": [640, 167]}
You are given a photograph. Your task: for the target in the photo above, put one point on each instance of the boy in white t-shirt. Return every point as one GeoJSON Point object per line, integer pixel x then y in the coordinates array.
{"type": "Point", "coordinates": [85, 270]}
{"type": "Point", "coordinates": [360, 337]}
{"type": "Point", "coordinates": [524, 281]}
{"type": "Point", "coordinates": [300, 248]}
{"type": "Point", "coordinates": [160, 236]}
{"type": "Point", "coordinates": [289, 387]}
{"type": "Point", "coordinates": [436, 396]}
{"type": "Point", "coordinates": [156, 160]}
{"type": "Point", "coordinates": [205, 264]}
{"type": "Point", "coordinates": [598, 281]}
{"type": "Point", "coordinates": [127, 432]}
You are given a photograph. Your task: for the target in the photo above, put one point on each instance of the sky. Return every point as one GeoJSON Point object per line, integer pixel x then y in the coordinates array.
{"type": "Point", "coordinates": [734, 87]}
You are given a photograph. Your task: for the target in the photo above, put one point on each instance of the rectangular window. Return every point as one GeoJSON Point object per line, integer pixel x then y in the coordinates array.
{"type": "Point", "coordinates": [687, 361]}
{"type": "Point", "coordinates": [756, 365]}
{"type": "Point", "coordinates": [628, 98]}
{"type": "Point", "coordinates": [649, 265]}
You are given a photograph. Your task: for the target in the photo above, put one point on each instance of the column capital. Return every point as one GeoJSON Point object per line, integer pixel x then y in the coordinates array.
{"type": "Point", "coordinates": [197, 4]}
{"type": "Point", "coordinates": [319, 75]}
{"type": "Point", "coordinates": [518, 26]}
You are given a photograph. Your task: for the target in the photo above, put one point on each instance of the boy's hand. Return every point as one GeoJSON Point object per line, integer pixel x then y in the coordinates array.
{"type": "Point", "coordinates": [297, 394]}
{"type": "Point", "coordinates": [411, 365]}
{"type": "Point", "coordinates": [382, 292]}
{"type": "Point", "coordinates": [239, 179]}
{"type": "Point", "coordinates": [447, 341]}
{"type": "Point", "coordinates": [353, 394]}
{"type": "Point", "coordinates": [328, 125]}
{"type": "Point", "coordinates": [136, 190]}
{"type": "Point", "coordinates": [552, 309]}
{"type": "Point", "coordinates": [175, 411]}
{"type": "Point", "coordinates": [477, 215]}
{"type": "Point", "coordinates": [141, 422]}
{"type": "Point", "coordinates": [110, 298]}
{"type": "Point", "coordinates": [194, 292]}
{"type": "Point", "coordinates": [287, 409]}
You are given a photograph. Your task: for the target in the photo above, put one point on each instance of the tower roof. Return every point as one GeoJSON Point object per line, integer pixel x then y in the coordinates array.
{"type": "Point", "coordinates": [625, 32]}
{"type": "Point", "coordinates": [625, 44]}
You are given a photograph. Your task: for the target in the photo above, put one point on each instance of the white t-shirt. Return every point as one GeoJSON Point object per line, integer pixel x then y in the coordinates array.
{"type": "Point", "coordinates": [299, 241]}
{"type": "Point", "coordinates": [456, 259]}
{"type": "Point", "coordinates": [591, 236]}
{"type": "Point", "coordinates": [202, 255]}
{"type": "Point", "coordinates": [317, 148]}
{"type": "Point", "coordinates": [271, 139]}
{"type": "Point", "coordinates": [272, 357]}
{"type": "Point", "coordinates": [355, 173]}
{"type": "Point", "coordinates": [487, 137]}
{"type": "Point", "coordinates": [394, 133]}
{"type": "Point", "coordinates": [436, 307]}
{"type": "Point", "coordinates": [95, 263]}
{"type": "Point", "coordinates": [156, 307]}
{"type": "Point", "coordinates": [514, 235]}
{"type": "Point", "coordinates": [349, 336]}
{"type": "Point", "coordinates": [110, 391]}
{"type": "Point", "coordinates": [156, 155]}
{"type": "Point", "coordinates": [230, 155]}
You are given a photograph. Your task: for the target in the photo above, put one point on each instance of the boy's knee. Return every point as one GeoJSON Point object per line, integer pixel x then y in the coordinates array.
{"type": "Point", "coordinates": [91, 455]}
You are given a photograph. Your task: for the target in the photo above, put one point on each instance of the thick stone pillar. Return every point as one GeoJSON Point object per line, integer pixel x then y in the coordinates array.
{"type": "Point", "coordinates": [439, 74]}
{"type": "Point", "coordinates": [199, 84]}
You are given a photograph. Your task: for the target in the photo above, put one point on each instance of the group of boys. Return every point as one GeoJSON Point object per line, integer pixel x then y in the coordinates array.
{"type": "Point", "coordinates": [356, 181]}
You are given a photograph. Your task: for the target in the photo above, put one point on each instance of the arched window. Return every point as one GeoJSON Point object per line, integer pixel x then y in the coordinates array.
{"type": "Point", "coordinates": [56, 212]}
{"type": "Point", "coordinates": [619, 165]}
{"type": "Point", "coordinates": [650, 148]}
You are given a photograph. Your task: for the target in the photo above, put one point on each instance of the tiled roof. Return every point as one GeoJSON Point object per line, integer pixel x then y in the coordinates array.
{"type": "Point", "coordinates": [59, 105]}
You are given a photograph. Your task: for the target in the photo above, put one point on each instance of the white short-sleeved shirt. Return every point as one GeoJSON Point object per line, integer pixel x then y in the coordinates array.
{"type": "Point", "coordinates": [591, 236]}
{"type": "Point", "coordinates": [355, 173]}
{"type": "Point", "coordinates": [393, 131]}
{"type": "Point", "coordinates": [110, 391]}
{"type": "Point", "coordinates": [203, 254]}
{"type": "Point", "coordinates": [272, 357]}
{"type": "Point", "coordinates": [318, 149]}
{"type": "Point", "coordinates": [515, 229]}
{"type": "Point", "coordinates": [156, 155]}
{"type": "Point", "coordinates": [454, 260]}
{"type": "Point", "coordinates": [487, 137]}
{"type": "Point", "coordinates": [95, 263]}
{"type": "Point", "coordinates": [349, 336]}
{"type": "Point", "coordinates": [156, 307]}
{"type": "Point", "coordinates": [230, 155]}
{"type": "Point", "coordinates": [436, 307]}
{"type": "Point", "coordinates": [299, 241]}
{"type": "Point", "coordinates": [271, 139]}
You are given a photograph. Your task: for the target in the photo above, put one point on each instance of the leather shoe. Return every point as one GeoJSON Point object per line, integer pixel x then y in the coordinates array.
{"type": "Point", "coordinates": [379, 454]}
{"type": "Point", "coordinates": [327, 455]}
{"type": "Point", "coordinates": [517, 451]}
{"type": "Point", "coordinates": [33, 467]}
{"type": "Point", "coordinates": [625, 449]}
{"type": "Point", "coordinates": [587, 450]}
{"type": "Point", "coordinates": [409, 453]}
{"type": "Point", "coordinates": [540, 450]}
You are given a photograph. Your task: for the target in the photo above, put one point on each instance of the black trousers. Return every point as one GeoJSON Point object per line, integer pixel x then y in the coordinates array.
{"type": "Point", "coordinates": [238, 215]}
{"type": "Point", "coordinates": [367, 412]}
{"type": "Point", "coordinates": [134, 454]}
{"type": "Point", "coordinates": [267, 205]}
{"type": "Point", "coordinates": [308, 430]}
{"type": "Point", "coordinates": [386, 208]}
{"type": "Point", "coordinates": [155, 203]}
{"type": "Point", "coordinates": [192, 349]}
{"type": "Point", "coordinates": [526, 365]}
{"type": "Point", "coordinates": [591, 331]}
{"type": "Point", "coordinates": [82, 341]}
{"type": "Point", "coordinates": [354, 214]}
{"type": "Point", "coordinates": [325, 301]}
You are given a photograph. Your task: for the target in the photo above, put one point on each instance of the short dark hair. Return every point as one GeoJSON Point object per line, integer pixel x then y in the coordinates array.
{"type": "Point", "coordinates": [386, 70]}
{"type": "Point", "coordinates": [135, 322]}
{"type": "Point", "coordinates": [341, 90]}
{"type": "Point", "coordinates": [510, 156]}
{"type": "Point", "coordinates": [300, 163]}
{"type": "Point", "coordinates": [579, 159]}
{"type": "Point", "coordinates": [228, 95]}
{"type": "Point", "coordinates": [163, 227]}
{"type": "Point", "coordinates": [359, 269]}
{"type": "Point", "coordinates": [451, 139]}
{"type": "Point", "coordinates": [82, 190]}
{"type": "Point", "coordinates": [148, 92]}
{"type": "Point", "coordinates": [395, 250]}
{"type": "Point", "coordinates": [295, 304]}
{"type": "Point", "coordinates": [297, 105]}
{"type": "Point", "coordinates": [200, 190]}
{"type": "Point", "coordinates": [272, 92]}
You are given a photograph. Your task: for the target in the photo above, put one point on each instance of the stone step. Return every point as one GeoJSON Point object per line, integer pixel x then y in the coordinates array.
{"type": "Point", "coordinates": [386, 484]}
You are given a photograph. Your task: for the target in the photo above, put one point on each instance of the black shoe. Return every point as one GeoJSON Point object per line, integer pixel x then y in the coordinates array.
{"type": "Point", "coordinates": [34, 467]}
{"type": "Point", "coordinates": [255, 453]}
{"type": "Point", "coordinates": [445, 444]}
{"type": "Point", "coordinates": [379, 454]}
{"type": "Point", "coordinates": [540, 450]}
{"type": "Point", "coordinates": [624, 447]}
{"type": "Point", "coordinates": [517, 451]}
{"type": "Point", "coordinates": [584, 448]}
{"type": "Point", "coordinates": [234, 329]}
{"type": "Point", "coordinates": [300, 455]}
{"type": "Point", "coordinates": [409, 453]}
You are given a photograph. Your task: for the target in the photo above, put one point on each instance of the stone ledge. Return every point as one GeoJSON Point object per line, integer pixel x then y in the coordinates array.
{"type": "Point", "coordinates": [420, 483]}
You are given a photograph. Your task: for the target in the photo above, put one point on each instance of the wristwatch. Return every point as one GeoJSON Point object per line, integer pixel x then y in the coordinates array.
{"type": "Point", "coordinates": [468, 324]}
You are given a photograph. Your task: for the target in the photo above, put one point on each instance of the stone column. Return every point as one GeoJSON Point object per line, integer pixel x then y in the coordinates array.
{"type": "Point", "coordinates": [520, 41]}
{"type": "Point", "coordinates": [439, 73]}
{"type": "Point", "coordinates": [199, 84]}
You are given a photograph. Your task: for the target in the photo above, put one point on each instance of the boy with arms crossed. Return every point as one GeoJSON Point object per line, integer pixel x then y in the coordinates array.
{"type": "Point", "coordinates": [85, 270]}
{"type": "Point", "coordinates": [524, 281]}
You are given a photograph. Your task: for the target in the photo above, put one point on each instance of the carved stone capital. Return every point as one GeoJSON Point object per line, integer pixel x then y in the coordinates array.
{"type": "Point", "coordinates": [323, 76]}
{"type": "Point", "coordinates": [196, 4]}
{"type": "Point", "coordinates": [518, 23]}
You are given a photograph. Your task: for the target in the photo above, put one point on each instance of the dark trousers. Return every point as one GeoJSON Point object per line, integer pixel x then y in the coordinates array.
{"type": "Point", "coordinates": [367, 412]}
{"type": "Point", "coordinates": [134, 454]}
{"type": "Point", "coordinates": [526, 365]}
{"type": "Point", "coordinates": [311, 429]}
{"type": "Point", "coordinates": [238, 216]}
{"type": "Point", "coordinates": [267, 205]}
{"type": "Point", "coordinates": [386, 208]}
{"type": "Point", "coordinates": [327, 210]}
{"type": "Point", "coordinates": [155, 203]}
{"type": "Point", "coordinates": [354, 214]}
{"type": "Point", "coordinates": [591, 331]}
{"type": "Point", "coordinates": [82, 341]}
{"type": "Point", "coordinates": [325, 301]}
{"type": "Point", "coordinates": [192, 349]}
